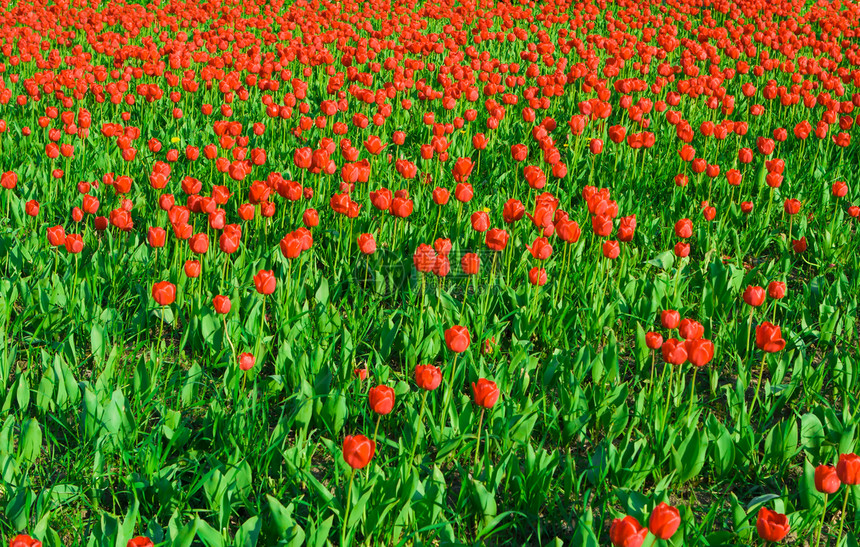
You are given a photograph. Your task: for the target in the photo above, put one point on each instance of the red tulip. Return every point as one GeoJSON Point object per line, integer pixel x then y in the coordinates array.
{"type": "Point", "coordinates": [699, 351]}
{"type": "Point", "coordinates": [540, 249]}
{"type": "Point", "coordinates": [627, 532]}
{"type": "Point", "coordinates": [462, 169]}
{"type": "Point", "coordinates": [221, 304]}
{"type": "Point", "coordinates": [457, 339]}
{"type": "Point", "coordinates": [771, 526]}
{"type": "Point", "coordinates": [464, 192]}
{"type": "Point", "coordinates": [164, 293]}
{"type": "Point", "coordinates": [23, 540]}
{"type": "Point", "coordinates": [799, 245]}
{"type": "Point", "coordinates": [441, 196]}
{"type": "Point", "coordinates": [690, 329]}
{"type": "Point", "coordinates": [265, 282]}
{"type": "Point", "coordinates": [768, 337]}
{"type": "Point", "coordinates": [653, 340]}
{"type": "Point", "coordinates": [848, 469]}
{"type": "Point", "coordinates": [424, 258]}
{"type": "Point", "coordinates": [684, 228]}
{"type": "Point", "coordinates": [839, 189]}
{"type": "Point", "coordinates": [56, 236]}
{"type": "Point", "coordinates": [611, 249]}
{"type": "Point", "coordinates": [754, 296]}
{"type": "Point", "coordinates": [513, 211]}
{"type": "Point", "coordinates": [776, 290]}
{"type": "Point", "coordinates": [246, 361]}
{"type": "Point", "coordinates": [670, 319]}
{"type": "Point", "coordinates": [496, 239]}
{"type": "Point", "coordinates": [428, 377]}
{"type": "Point", "coordinates": [358, 451]}
{"type": "Point", "coordinates": [470, 263]}
{"type": "Point", "coordinates": [192, 268]}
{"type": "Point", "coordinates": [74, 243]}
{"type": "Point", "coordinates": [664, 521]}
{"type": "Point", "coordinates": [367, 244]}
{"type": "Point", "coordinates": [827, 479]}
{"type": "Point", "coordinates": [32, 208]}
{"type": "Point", "coordinates": [674, 351]}
{"type": "Point", "coordinates": [485, 392]}
{"type": "Point", "coordinates": [381, 399]}
{"type": "Point", "coordinates": [140, 541]}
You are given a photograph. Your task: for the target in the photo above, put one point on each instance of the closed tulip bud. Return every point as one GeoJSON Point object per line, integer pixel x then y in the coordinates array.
{"type": "Point", "coordinates": [791, 206]}
{"type": "Point", "coordinates": [771, 526]}
{"type": "Point", "coordinates": [674, 351]}
{"type": "Point", "coordinates": [827, 479]}
{"type": "Point", "coordinates": [768, 338]}
{"type": "Point", "coordinates": [513, 211]}
{"type": "Point", "coordinates": [464, 192]}
{"type": "Point", "coordinates": [442, 246]}
{"type": "Point", "coordinates": [424, 258]}
{"type": "Point", "coordinates": [654, 340]}
{"type": "Point", "coordinates": [74, 243]}
{"type": "Point", "coordinates": [690, 329]}
{"type": "Point", "coordinates": [164, 293]}
{"type": "Point", "coordinates": [32, 208]}
{"type": "Point", "coordinates": [361, 374]}
{"type": "Point", "coordinates": [140, 541]}
{"type": "Point", "coordinates": [192, 268]}
{"type": "Point", "coordinates": [480, 221]}
{"type": "Point", "coordinates": [441, 196]}
{"type": "Point", "coordinates": [848, 469]}
{"type": "Point", "coordinates": [537, 276]}
{"type": "Point", "coordinates": [682, 250]}
{"type": "Point", "coordinates": [156, 236]}
{"type": "Point", "coordinates": [754, 296]}
{"type": "Point", "coordinates": [23, 540]}
{"type": "Point", "coordinates": [199, 243]}
{"type": "Point", "coordinates": [221, 304]}
{"type": "Point", "coordinates": [595, 146]}
{"type": "Point", "coordinates": [540, 249]}
{"type": "Point", "coordinates": [664, 521]}
{"type": "Point", "coordinates": [246, 361]}
{"type": "Point", "coordinates": [699, 352]}
{"type": "Point", "coordinates": [358, 450]}
{"type": "Point", "coordinates": [442, 266]}
{"type": "Point", "coordinates": [684, 228]}
{"type": "Point", "coordinates": [611, 249]}
{"type": "Point", "coordinates": [670, 319]}
{"type": "Point", "coordinates": [627, 532]}
{"type": "Point", "coordinates": [471, 264]}
{"type": "Point", "coordinates": [367, 244]}
{"type": "Point", "coordinates": [839, 189]}
{"type": "Point", "coordinates": [485, 392]}
{"type": "Point", "coordinates": [428, 377]}
{"type": "Point", "coordinates": [265, 282]}
{"type": "Point", "coordinates": [381, 399]}
{"type": "Point", "coordinates": [310, 218]}
{"type": "Point", "coordinates": [56, 236]}
{"type": "Point", "coordinates": [799, 245]}
{"type": "Point", "coordinates": [776, 290]}
{"type": "Point", "coordinates": [496, 239]}
{"type": "Point", "coordinates": [457, 339]}
{"type": "Point", "coordinates": [746, 207]}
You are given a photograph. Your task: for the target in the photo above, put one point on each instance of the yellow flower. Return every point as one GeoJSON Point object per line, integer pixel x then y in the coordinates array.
{"type": "Point", "coordinates": [174, 139]}
{"type": "Point", "coordinates": [486, 209]}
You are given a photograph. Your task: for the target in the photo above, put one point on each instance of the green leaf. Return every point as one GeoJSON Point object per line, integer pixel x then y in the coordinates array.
{"type": "Point", "coordinates": [30, 445]}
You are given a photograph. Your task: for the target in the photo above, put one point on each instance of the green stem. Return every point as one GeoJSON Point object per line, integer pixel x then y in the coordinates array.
{"type": "Point", "coordinates": [842, 519]}
{"type": "Point", "coordinates": [447, 400]}
{"type": "Point", "coordinates": [478, 440]}
{"type": "Point", "coordinates": [821, 524]}
{"type": "Point", "coordinates": [420, 425]}
{"type": "Point", "coordinates": [346, 510]}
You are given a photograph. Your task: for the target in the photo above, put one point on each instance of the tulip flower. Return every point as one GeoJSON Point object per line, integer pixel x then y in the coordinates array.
{"type": "Point", "coordinates": [664, 521]}
{"type": "Point", "coordinates": [771, 526]}
{"type": "Point", "coordinates": [627, 532]}
{"type": "Point", "coordinates": [140, 541]}
{"type": "Point", "coordinates": [23, 540]}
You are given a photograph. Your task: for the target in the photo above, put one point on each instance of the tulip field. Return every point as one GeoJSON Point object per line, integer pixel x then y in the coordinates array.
{"type": "Point", "coordinates": [402, 273]}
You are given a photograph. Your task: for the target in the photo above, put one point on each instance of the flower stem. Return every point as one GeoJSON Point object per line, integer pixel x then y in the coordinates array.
{"type": "Point", "coordinates": [842, 519]}
{"type": "Point", "coordinates": [478, 439]}
{"type": "Point", "coordinates": [346, 510]}
{"type": "Point", "coordinates": [821, 524]}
